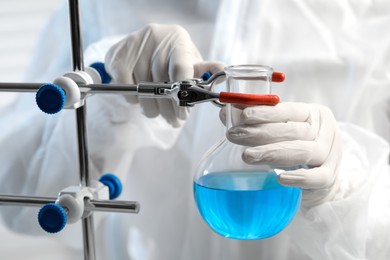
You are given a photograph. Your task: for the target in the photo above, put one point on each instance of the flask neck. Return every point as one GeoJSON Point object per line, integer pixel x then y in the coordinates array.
{"type": "Point", "coordinates": [248, 80]}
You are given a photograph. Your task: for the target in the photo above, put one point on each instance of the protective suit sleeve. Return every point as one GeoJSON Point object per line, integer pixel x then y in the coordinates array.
{"type": "Point", "coordinates": [348, 226]}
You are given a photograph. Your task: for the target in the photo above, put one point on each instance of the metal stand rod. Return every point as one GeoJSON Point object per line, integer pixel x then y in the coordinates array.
{"type": "Point", "coordinates": [20, 87]}
{"type": "Point", "coordinates": [112, 206]}
{"type": "Point", "coordinates": [78, 64]}
{"type": "Point", "coordinates": [82, 145]}
{"type": "Point", "coordinates": [90, 205]}
{"type": "Point", "coordinates": [124, 89]}
{"type": "Point", "coordinates": [88, 238]}
{"type": "Point", "coordinates": [75, 33]}
{"type": "Point", "coordinates": [17, 200]}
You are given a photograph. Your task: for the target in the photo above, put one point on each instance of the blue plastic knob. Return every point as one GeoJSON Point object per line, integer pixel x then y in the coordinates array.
{"type": "Point", "coordinates": [206, 75]}
{"type": "Point", "coordinates": [99, 67]}
{"type": "Point", "coordinates": [52, 218]}
{"type": "Point", "coordinates": [50, 98]}
{"type": "Point", "coordinates": [113, 183]}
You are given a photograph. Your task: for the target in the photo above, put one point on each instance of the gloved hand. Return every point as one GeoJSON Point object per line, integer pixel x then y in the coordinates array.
{"type": "Point", "coordinates": [157, 53]}
{"type": "Point", "coordinates": [293, 134]}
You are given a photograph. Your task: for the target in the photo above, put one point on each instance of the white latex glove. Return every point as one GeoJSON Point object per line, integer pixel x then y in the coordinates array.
{"type": "Point", "coordinates": [157, 53]}
{"type": "Point", "coordinates": [293, 134]}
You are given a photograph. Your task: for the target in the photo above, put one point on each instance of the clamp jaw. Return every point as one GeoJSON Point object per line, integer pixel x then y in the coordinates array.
{"type": "Point", "coordinates": [195, 91]}
{"type": "Point", "coordinates": [185, 93]}
{"type": "Point", "coordinates": [199, 90]}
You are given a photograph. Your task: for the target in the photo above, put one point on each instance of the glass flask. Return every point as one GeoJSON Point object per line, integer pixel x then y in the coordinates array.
{"type": "Point", "coordinates": [238, 200]}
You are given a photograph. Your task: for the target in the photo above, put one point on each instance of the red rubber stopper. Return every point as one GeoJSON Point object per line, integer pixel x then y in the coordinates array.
{"type": "Point", "coordinates": [248, 99]}
{"type": "Point", "coordinates": [278, 77]}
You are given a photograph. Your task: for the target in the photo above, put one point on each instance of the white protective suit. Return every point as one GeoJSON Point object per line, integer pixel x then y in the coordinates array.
{"type": "Point", "coordinates": [335, 54]}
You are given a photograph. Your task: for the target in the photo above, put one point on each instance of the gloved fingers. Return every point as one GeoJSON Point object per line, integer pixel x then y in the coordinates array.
{"type": "Point", "coordinates": [222, 115]}
{"type": "Point", "coordinates": [207, 66]}
{"type": "Point", "coordinates": [167, 107]}
{"type": "Point", "coordinates": [132, 99]}
{"type": "Point", "coordinates": [261, 134]}
{"type": "Point", "coordinates": [282, 112]}
{"type": "Point", "coordinates": [183, 112]}
{"type": "Point", "coordinates": [157, 53]}
{"type": "Point", "coordinates": [314, 178]}
{"type": "Point", "coordinates": [288, 153]}
{"type": "Point", "coordinates": [172, 113]}
{"type": "Point", "coordinates": [117, 65]}
{"type": "Point", "coordinates": [181, 62]}
{"type": "Point", "coordinates": [180, 66]}
{"type": "Point", "coordinates": [149, 107]}
{"type": "Point", "coordinates": [176, 111]}
{"type": "Point", "coordinates": [298, 152]}
{"type": "Point", "coordinates": [321, 177]}
{"type": "Point", "coordinates": [121, 62]}
{"type": "Point", "coordinates": [159, 73]}
{"type": "Point", "coordinates": [303, 124]}
{"type": "Point", "coordinates": [128, 61]}
{"type": "Point", "coordinates": [292, 152]}
{"type": "Point", "coordinates": [168, 111]}
{"type": "Point", "coordinates": [327, 131]}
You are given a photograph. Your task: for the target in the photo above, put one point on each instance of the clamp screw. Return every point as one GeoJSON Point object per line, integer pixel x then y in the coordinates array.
{"type": "Point", "coordinates": [50, 98]}
{"type": "Point", "coordinates": [52, 218]}
{"type": "Point", "coordinates": [184, 93]}
{"type": "Point", "coordinates": [113, 183]}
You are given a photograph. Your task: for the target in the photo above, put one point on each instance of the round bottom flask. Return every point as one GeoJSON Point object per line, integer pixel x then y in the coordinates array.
{"type": "Point", "coordinates": [238, 200]}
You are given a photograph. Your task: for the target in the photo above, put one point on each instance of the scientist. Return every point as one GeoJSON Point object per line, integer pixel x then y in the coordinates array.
{"type": "Point", "coordinates": [155, 146]}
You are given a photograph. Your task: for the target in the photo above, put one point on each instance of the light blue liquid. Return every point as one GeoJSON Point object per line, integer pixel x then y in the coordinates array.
{"type": "Point", "coordinates": [246, 205]}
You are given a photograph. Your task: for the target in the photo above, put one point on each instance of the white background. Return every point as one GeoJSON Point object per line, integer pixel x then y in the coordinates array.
{"type": "Point", "coordinates": [20, 24]}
